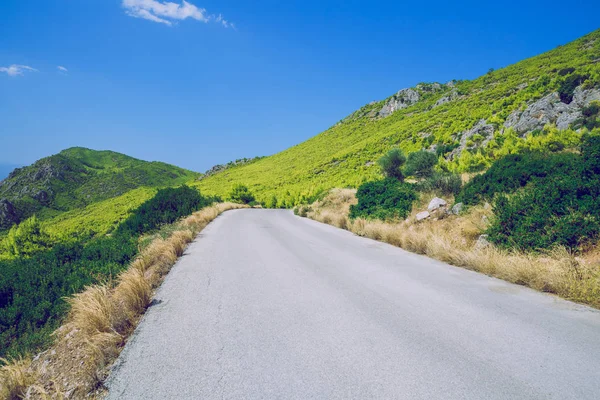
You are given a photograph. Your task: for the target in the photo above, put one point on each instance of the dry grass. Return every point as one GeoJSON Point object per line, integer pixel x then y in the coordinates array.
{"type": "Point", "coordinates": [452, 239]}
{"type": "Point", "coordinates": [16, 377]}
{"type": "Point", "coordinates": [100, 320]}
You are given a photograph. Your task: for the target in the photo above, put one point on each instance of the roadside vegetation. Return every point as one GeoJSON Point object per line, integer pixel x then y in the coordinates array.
{"type": "Point", "coordinates": [39, 270]}
{"type": "Point", "coordinates": [531, 219]}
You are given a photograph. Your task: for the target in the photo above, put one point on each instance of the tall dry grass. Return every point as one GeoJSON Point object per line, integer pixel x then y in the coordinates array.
{"type": "Point", "coordinates": [99, 321]}
{"type": "Point", "coordinates": [453, 239]}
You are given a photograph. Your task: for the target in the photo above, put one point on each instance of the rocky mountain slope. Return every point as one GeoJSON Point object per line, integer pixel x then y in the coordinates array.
{"type": "Point", "coordinates": [545, 102]}
{"type": "Point", "coordinates": [77, 177]}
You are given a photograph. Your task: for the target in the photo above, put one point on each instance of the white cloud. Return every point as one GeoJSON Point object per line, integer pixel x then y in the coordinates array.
{"type": "Point", "coordinates": [167, 13]}
{"type": "Point", "coordinates": [15, 70]}
{"type": "Point", "coordinates": [62, 69]}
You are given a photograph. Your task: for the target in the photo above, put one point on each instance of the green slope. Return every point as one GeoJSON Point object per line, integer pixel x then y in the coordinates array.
{"type": "Point", "coordinates": [344, 155]}
{"type": "Point", "coordinates": [76, 178]}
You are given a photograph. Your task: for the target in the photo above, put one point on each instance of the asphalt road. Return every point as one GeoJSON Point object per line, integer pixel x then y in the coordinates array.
{"type": "Point", "coordinates": [266, 305]}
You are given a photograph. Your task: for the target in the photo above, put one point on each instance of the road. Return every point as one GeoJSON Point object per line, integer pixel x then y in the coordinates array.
{"type": "Point", "coordinates": [266, 305]}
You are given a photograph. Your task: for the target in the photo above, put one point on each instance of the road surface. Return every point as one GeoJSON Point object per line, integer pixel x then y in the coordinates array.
{"type": "Point", "coordinates": [266, 305]}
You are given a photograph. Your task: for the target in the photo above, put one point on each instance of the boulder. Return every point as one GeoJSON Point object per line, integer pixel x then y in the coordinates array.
{"type": "Point", "coordinates": [422, 216]}
{"type": "Point", "coordinates": [457, 208]}
{"type": "Point", "coordinates": [482, 242]}
{"type": "Point", "coordinates": [436, 203]}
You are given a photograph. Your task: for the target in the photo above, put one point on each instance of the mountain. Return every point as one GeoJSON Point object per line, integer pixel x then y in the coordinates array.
{"type": "Point", "coordinates": [78, 177]}
{"type": "Point", "coordinates": [545, 101]}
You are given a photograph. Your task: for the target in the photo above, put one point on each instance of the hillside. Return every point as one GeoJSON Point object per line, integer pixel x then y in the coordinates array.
{"type": "Point", "coordinates": [544, 102]}
{"type": "Point", "coordinates": [76, 178]}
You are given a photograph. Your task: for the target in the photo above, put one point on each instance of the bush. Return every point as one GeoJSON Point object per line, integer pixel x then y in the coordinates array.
{"type": "Point", "coordinates": [420, 164]}
{"type": "Point", "coordinates": [568, 85]}
{"type": "Point", "coordinates": [515, 171]}
{"type": "Point", "coordinates": [558, 206]}
{"type": "Point", "coordinates": [391, 164]}
{"type": "Point", "coordinates": [561, 211]}
{"type": "Point", "coordinates": [240, 194]}
{"type": "Point", "coordinates": [385, 199]}
{"type": "Point", "coordinates": [441, 183]}
{"type": "Point", "coordinates": [167, 206]}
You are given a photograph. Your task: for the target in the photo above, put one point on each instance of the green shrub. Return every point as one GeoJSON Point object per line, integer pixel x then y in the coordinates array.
{"type": "Point", "coordinates": [240, 194]}
{"type": "Point", "coordinates": [441, 183]}
{"type": "Point", "coordinates": [560, 205]}
{"type": "Point", "coordinates": [420, 164]}
{"type": "Point", "coordinates": [167, 206]}
{"type": "Point", "coordinates": [391, 164]}
{"type": "Point", "coordinates": [384, 199]}
{"type": "Point", "coordinates": [25, 239]}
{"type": "Point", "coordinates": [563, 210]}
{"type": "Point", "coordinates": [515, 171]}
{"type": "Point", "coordinates": [568, 85]}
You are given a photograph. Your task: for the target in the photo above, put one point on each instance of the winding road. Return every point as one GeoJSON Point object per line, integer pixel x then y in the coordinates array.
{"type": "Point", "coordinates": [267, 305]}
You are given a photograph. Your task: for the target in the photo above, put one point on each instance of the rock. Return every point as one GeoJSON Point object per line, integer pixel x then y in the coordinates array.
{"type": "Point", "coordinates": [403, 99]}
{"type": "Point", "coordinates": [482, 242]}
{"type": "Point", "coordinates": [481, 128]}
{"type": "Point", "coordinates": [445, 99]}
{"type": "Point", "coordinates": [487, 206]}
{"type": "Point", "coordinates": [436, 203]}
{"type": "Point", "coordinates": [551, 110]}
{"type": "Point", "coordinates": [422, 216]}
{"type": "Point", "coordinates": [457, 208]}
{"type": "Point", "coordinates": [8, 214]}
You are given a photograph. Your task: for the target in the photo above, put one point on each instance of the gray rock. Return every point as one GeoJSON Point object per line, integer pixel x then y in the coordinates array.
{"type": "Point", "coordinates": [422, 216]}
{"type": "Point", "coordinates": [436, 203]}
{"type": "Point", "coordinates": [445, 99]}
{"type": "Point", "coordinates": [482, 242]}
{"type": "Point", "coordinates": [403, 99]}
{"type": "Point", "coordinates": [550, 110]}
{"type": "Point", "coordinates": [8, 214]}
{"type": "Point", "coordinates": [457, 208]}
{"type": "Point", "coordinates": [480, 128]}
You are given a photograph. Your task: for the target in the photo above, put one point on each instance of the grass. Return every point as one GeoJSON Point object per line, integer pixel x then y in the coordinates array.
{"type": "Point", "coordinates": [101, 318]}
{"type": "Point", "coordinates": [453, 239]}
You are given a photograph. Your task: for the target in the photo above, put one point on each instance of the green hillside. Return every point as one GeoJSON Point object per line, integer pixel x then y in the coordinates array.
{"type": "Point", "coordinates": [545, 102]}
{"type": "Point", "coordinates": [76, 178]}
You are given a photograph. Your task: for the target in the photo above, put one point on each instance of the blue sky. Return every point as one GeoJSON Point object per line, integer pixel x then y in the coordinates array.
{"type": "Point", "coordinates": [205, 82]}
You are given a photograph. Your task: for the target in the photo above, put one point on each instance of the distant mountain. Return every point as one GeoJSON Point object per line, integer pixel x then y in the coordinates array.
{"type": "Point", "coordinates": [6, 169]}
{"type": "Point", "coordinates": [78, 177]}
{"type": "Point", "coordinates": [543, 102]}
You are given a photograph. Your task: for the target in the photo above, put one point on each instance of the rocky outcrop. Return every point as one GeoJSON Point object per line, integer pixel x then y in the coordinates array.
{"type": "Point", "coordinates": [551, 110]}
{"type": "Point", "coordinates": [446, 99]}
{"type": "Point", "coordinates": [403, 99]}
{"type": "Point", "coordinates": [8, 214]}
{"type": "Point", "coordinates": [468, 140]}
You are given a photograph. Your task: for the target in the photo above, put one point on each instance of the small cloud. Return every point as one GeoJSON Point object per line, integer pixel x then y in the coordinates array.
{"type": "Point", "coordinates": [164, 12]}
{"type": "Point", "coordinates": [219, 19]}
{"type": "Point", "coordinates": [15, 69]}
{"type": "Point", "coordinates": [62, 69]}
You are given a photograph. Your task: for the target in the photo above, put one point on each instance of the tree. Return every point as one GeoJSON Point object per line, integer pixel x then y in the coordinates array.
{"type": "Point", "coordinates": [420, 164]}
{"type": "Point", "coordinates": [241, 194]}
{"type": "Point", "coordinates": [391, 164]}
